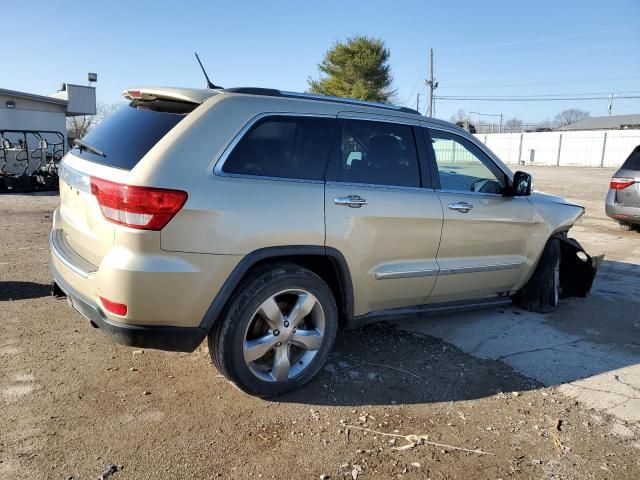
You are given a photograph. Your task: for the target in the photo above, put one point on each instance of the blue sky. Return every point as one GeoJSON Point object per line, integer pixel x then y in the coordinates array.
{"type": "Point", "coordinates": [481, 48]}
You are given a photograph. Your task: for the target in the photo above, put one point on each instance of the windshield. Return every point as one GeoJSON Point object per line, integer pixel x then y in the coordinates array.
{"type": "Point", "coordinates": [127, 135]}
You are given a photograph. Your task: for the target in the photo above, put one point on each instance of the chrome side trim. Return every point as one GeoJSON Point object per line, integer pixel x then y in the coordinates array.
{"type": "Point", "coordinates": [478, 194]}
{"type": "Point", "coordinates": [69, 258]}
{"type": "Point", "coordinates": [405, 274]}
{"type": "Point", "coordinates": [74, 178]}
{"type": "Point", "coordinates": [338, 183]}
{"type": "Point", "coordinates": [445, 271]}
{"type": "Point", "coordinates": [480, 268]}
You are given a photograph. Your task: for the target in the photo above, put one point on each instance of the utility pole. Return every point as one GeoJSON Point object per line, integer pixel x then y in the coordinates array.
{"type": "Point", "coordinates": [610, 103]}
{"type": "Point", "coordinates": [431, 83]}
{"type": "Point", "coordinates": [418, 102]}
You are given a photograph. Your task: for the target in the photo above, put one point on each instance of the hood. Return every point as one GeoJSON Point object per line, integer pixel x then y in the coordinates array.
{"type": "Point", "coordinates": [548, 198]}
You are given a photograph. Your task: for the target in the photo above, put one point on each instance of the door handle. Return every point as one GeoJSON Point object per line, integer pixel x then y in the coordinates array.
{"type": "Point", "coordinates": [462, 207]}
{"type": "Point", "coordinates": [353, 201]}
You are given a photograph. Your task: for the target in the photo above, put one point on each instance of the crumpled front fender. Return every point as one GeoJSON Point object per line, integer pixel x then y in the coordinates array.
{"type": "Point", "coordinates": [577, 268]}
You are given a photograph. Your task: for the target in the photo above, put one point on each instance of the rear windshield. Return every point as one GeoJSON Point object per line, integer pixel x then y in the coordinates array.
{"type": "Point", "coordinates": [633, 161]}
{"type": "Point", "coordinates": [127, 135]}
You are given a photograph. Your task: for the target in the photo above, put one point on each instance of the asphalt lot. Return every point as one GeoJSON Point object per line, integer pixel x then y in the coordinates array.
{"type": "Point", "coordinates": [544, 396]}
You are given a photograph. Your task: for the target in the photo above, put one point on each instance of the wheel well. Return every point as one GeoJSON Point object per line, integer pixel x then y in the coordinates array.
{"type": "Point", "coordinates": [325, 267]}
{"type": "Point", "coordinates": [326, 262]}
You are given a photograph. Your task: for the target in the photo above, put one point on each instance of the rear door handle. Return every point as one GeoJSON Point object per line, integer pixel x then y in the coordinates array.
{"type": "Point", "coordinates": [353, 201]}
{"type": "Point", "coordinates": [462, 207]}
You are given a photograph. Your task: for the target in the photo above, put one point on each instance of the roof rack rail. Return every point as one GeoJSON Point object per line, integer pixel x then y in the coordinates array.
{"type": "Point", "coordinates": [272, 92]}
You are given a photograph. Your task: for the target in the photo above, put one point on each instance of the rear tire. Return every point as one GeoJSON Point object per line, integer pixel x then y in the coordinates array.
{"type": "Point", "coordinates": [625, 227]}
{"type": "Point", "coordinates": [277, 331]}
{"type": "Point", "coordinates": [542, 292]}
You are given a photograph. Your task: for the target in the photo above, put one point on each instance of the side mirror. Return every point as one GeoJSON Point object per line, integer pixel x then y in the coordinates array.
{"type": "Point", "coordinates": [522, 184]}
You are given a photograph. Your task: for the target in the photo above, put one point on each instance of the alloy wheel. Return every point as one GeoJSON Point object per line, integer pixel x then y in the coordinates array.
{"type": "Point", "coordinates": [284, 335]}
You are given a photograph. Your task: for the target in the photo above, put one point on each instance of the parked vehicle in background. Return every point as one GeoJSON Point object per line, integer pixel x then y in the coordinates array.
{"type": "Point", "coordinates": [267, 220]}
{"type": "Point", "coordinates": [623, 199]}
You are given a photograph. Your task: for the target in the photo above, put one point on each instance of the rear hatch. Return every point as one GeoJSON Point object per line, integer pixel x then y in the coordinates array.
{"type": "Point", "coordinates": [626, 181]}
{"type": "Point", "coordinates": [109, 152]}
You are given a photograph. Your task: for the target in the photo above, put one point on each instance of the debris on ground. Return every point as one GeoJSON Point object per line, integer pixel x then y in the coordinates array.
{"type": "Point", "coordinates": [356, 472]}
{"type": "Point", "coordinates": [109, 472]}
{"type": "Point", "coordinates": [415, 440]}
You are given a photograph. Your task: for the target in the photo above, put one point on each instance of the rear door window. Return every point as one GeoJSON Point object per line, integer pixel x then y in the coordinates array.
{"type": "Point", "coordinates": [127, 135]}
{"type": "Point", "coordinates": [285, 147]}
{"type": "Point", "coordinates": [378, 153]}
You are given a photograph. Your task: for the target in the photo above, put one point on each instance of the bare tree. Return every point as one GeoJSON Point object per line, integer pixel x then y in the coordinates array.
{"type": "Point", "coordinates": [79, 126]}
{"type": "Point", "coordinates": [571, 115]}
{"type": "Point", "coordinates": [460, 116]}
{"type": "Point", "coordinates": [513, 125]}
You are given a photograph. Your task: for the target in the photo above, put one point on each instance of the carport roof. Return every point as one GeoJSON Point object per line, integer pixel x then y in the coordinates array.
{"type": "Point", "coordinates": [32, 96]}
{"type": "Point", "coordinates": [612, 122]}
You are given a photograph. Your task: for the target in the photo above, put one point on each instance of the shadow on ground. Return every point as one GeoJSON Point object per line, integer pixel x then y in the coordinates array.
{"type": "Point", "coordinates": [467, 355]}
{"type": "Point", "coordinates": [10, 290]}
{"type": "Point", "coordinates": [380, 365]}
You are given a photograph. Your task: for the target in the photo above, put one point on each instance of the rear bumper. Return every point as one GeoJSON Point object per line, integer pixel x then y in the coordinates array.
{"type": "Point", "coordinates": [621, 213]}
{"type": "Point", "coordinates": [179, 339]}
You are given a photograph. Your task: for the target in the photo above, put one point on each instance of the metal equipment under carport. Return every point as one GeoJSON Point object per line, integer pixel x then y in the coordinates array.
{"type": "Point", "coordinates": [33, 134]}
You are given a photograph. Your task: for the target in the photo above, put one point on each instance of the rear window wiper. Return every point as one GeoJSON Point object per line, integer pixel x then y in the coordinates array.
{"type": "Point", "coordinates": [90, 148]}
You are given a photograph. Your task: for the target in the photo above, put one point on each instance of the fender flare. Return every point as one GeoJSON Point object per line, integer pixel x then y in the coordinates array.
{"type": "Point", "coordinates": [233, 280]}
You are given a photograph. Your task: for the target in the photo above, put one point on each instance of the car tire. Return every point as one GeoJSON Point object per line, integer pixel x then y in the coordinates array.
{"type": "Point", "coordinates": [542, 292]}
{"type": "Point", "coordinates": [277, 331]}
{"type": "Point", "coordinates": [625, 227]}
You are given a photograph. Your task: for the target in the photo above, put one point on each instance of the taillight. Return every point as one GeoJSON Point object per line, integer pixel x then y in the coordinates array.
{"type": "Point", "coordinates": [113, 307]}
{"type": "Point", "coordinates": [621, 183]}
{"type": "Point", "coordinates": [144, 208]}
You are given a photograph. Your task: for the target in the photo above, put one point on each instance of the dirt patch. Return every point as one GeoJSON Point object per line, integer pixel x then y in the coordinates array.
{"type": "Point", "coordinates": [86, 407]}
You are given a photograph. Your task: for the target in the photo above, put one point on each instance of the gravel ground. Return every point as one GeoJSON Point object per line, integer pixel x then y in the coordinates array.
{"type": "Point", "coordinates": [75, 405]}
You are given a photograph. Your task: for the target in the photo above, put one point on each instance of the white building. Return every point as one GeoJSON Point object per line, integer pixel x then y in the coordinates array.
{"type": "Point", "coordinates": [27, 111]}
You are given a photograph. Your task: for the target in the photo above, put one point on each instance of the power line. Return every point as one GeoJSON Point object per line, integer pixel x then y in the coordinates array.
{"type": "Point", "coordinates": [607, 93]}
{"type": "Point", "coordinates": [530, 99]}
{"type": "Point", "coordinates": [538, 54]}
{"type": "Point", "coordinates": [538, 40]}
{"type": "Point", "coordinates": [535, 84]}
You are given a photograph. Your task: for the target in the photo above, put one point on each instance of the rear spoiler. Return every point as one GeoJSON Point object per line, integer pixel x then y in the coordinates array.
{"type": "Point", "coordinates": [190, 95]}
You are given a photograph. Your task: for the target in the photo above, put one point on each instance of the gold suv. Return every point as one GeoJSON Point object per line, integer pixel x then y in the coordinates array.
{"type": "Point", "coordinates": [268, 220]}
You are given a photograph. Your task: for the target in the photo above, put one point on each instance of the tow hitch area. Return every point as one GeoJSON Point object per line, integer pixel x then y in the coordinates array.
{"type": "Point", "coordinates": [577, 269]}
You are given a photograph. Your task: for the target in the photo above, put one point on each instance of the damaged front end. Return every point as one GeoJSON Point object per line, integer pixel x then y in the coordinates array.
{"type": "Point", "coordinates": [577, 268]}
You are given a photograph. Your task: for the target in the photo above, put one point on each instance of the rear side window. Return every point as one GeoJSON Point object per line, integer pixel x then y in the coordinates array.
{"type": "Point", "coordinates": [127, 135]}
{"type": "Point", "coordinates": [633, 161]}
{"type": "Point", "coordinates": [378, 153]}
{"type": "Point", "coordinates": [283, 146]}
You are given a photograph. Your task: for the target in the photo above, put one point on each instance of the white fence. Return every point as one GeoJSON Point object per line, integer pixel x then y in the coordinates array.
{"type": "Point", "coordinates": [588, 148]}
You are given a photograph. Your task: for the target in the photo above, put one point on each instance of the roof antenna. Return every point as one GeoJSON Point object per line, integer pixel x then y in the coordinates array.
{"type": "Point", "coordinates": [209, 83]}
